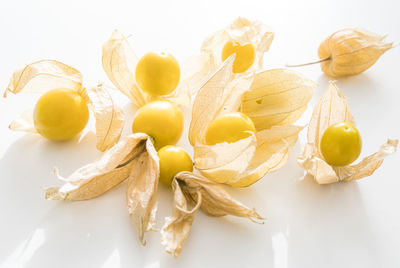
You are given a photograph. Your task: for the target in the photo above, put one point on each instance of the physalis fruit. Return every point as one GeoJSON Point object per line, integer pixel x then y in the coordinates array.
{"type": "Point", "coordinates": [229, 128]}
{"type": "Point", "coordinates": [173, 160]}
{"type": "Point", "coordinates": [245, 55]}
{"type": "Point", "coordinates": [60, 114]}
{"type": "Point", "coordinates": [158, 73]}
{"type": "Point", "coordinates": [161, 120]}
{"type": "Point", "coordinates": [341, 144]}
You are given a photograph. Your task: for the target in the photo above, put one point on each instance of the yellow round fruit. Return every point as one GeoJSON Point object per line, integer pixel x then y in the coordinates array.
{"type": "Point", "coordinates": [161, 120]}
{"type": "Point", "coordinates": [245, 55]}
{"type": "Point", "coordinates": [158, 73]}
{"type": "Point", "coordinates": [229, 128]}
{"type": "Point", "coordinates": [341, 144]}
{"type": "Point", "coordinates": [60, 114]}
{"type": "Point", "coordinates": [173, 160]}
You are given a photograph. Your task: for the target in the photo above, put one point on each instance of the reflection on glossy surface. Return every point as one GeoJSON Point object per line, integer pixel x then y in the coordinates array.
{"type": "Point", "coordinates": [280, 249]}
{"type": "Point", "coordinates": [308, 225]}
{"type": "Point", "coordinates": [21, 255]}
{"type": "Point", "coordinates": [113, 260]}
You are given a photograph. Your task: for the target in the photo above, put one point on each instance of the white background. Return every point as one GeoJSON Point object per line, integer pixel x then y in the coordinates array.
{"type": "Point", "coordinates": [354, 224]}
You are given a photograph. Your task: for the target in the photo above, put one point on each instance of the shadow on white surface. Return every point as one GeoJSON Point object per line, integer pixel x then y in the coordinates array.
{"type": "Point", "coordinates": [332, 220]}
{"type": "Point", "coordinates": [308, 225]}
{"type": "Point", "coordinates": [39, 231]}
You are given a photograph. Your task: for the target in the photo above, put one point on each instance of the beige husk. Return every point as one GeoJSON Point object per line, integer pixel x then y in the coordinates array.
{"type": "Point", "coordinates": [24, 122]}
{"type": "Point", "coordinates": [141, 194]}
{"type": "Point", "coordinates": [109, 117]}
{"type": "Point", "coordinates": [133, 158]}
{"type": "Point", "coordinates": [244, 162]}
{"type": "Point", "coordinates": [332, 108]}
{"type": "Point", "coordinates": [351, 51]}
{"type": "Point", "coordinates": [202, 193]}
{"type": "Point", "coordinates": [277, 97]}
{"type": "Point", "coordinates": [45, 75]}
{"type": "Point", "coordinates": [119, 63]}
{"type": "Point", "coordinates": [242, 31]}
{"type": "Point", "coordinates": [98, 177]}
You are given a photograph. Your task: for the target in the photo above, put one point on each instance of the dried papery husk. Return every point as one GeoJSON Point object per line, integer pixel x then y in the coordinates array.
{"type": "Point", "coordinates": [200, 192]}
{"type": "Point", "coordinates": [176, 228]}
{"type": "Point", "coordinates": [331, 109]}
{"type": "Point", "coordinates": [271, 154]}
{"type": "Point", "coordinates": [141, 194]}
{"type": "Point", "coordinates": [351, 51]}
{"type": "Point", "coordinates": [211, 97]}
{"type": "Point", "coordinates": [119, 63]}
{"type": "Point", "coordinates": [95, 179]}
{"type": "Point", "coordinates": [242, 31]}
{"type": "Point", "coordinates": [242, 167]}
{"type": "Point", "coordinates": [196, 72]}
{"type": "Point", "coordinates": [244, 162]}
{"type": "Point", "coordinates": [40, 77]}
{"type": "Point", "coordinates": [109, 117]}
{"type": "Point", "coordinates": [277, 97]}
{"type": "Point", "coordinates": [24, 122]}
{"type": "Point", "coordinates": [44, 75]}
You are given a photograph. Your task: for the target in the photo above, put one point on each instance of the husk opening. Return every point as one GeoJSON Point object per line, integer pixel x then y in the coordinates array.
{"type": "Point", "coordinates": [332, 108]}
{"type": "Point", "coordinates": [46, 75]}
{"type": "Point", "coordinates": [119, 63]}
{"type": "Point", "coordinates": [200, 192]}
{"type": "Point", "coordinates": [243, 31]}
{"type": "Point", "coordinates": [243, 162]}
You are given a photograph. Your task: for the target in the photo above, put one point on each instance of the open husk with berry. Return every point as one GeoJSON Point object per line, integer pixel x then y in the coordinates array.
{"type": "Point", "coordinates": [120, 64]}
{"type": "Point", "coordinates": [332, 108]}
{"type": "Point", "coordinates": [272, 99]}
{"type": "Point", "coordinates": [47, 76]}
{"type": "Point", "coordinates": [249, 39]}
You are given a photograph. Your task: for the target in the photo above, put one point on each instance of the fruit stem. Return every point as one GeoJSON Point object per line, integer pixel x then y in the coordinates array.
{"type": "Point", "coordinates": [309, 63]}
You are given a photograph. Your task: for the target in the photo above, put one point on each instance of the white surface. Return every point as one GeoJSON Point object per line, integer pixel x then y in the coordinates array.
{"type": "Point", "coordinates": [353, 224]}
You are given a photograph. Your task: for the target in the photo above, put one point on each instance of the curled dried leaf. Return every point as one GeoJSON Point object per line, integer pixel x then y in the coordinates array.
{"type": "Point", "coordinates": [119, 63]}
{"type": "Point", "coordinates": [109, 117]}
{"type": "Point", "coordinates": [44, 75]}
{"type": "Point", "coordinates": [244, 162]}
{"type": "Point", "coordinates": [201, 193]}
{"type": "Point", "coordinates": [331, 109]}
{"type": "Point", "coordinates": [243, 31]}
{"type": "Point", "coordinates": [351, 51]}
{"type": "Point", "coordinates": [277, 97]}
{"type": "Point", "coordinates": [97, 178]}
{"type": "Point", "coordinates": [141, 198]}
